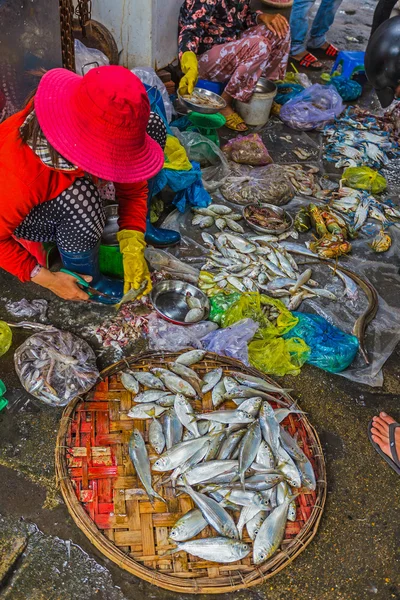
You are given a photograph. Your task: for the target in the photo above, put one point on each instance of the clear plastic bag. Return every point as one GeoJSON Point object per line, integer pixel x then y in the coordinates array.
{"type": "Point", "coordinates": [148, 76]}
{"type": "Point", "coordinates": [247, 150]}
{"type": "Point", "coordinates": [88, 58]}
{"type": "Point", "coordinates": [167, 336]}
{"type": "Point", "coordinates": [331, 349]}
{"type": "Point", "coordinates": [232, 341]}
{"type": "Point", "coordinates": [160, 260]}
{"type": "Point", "coordinates": [214, 165]}
{"type": "Point", "coordinates": [258, 184]}
{"type": "Point", "coordinates": [26, 309]}
{"type": "Point", "coordinates": [313, 108]}
{"type": "Point", "coordinates": [56, 366]}
{"type": "Point", "coordinates": [364, 178]}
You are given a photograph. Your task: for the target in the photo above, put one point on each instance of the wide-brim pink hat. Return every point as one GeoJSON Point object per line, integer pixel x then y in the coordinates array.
{"type": "Point", "coordinates": [98, 122]}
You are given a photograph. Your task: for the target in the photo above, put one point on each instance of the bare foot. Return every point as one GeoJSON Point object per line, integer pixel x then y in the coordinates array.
{"type": "Point", "coordinates": [380, 433]}
{"type": "Point", "coordinates": [314, 65]}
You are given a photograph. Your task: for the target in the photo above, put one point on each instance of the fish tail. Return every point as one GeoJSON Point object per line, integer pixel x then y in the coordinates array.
{"type": "Point", "coordinates": [169, 552]}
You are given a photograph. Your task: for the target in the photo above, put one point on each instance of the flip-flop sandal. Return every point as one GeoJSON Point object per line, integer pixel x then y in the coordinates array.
{"type": "Point", "coordinates": [329, 53]}
{"type": "Point", "coordinates": [393, 462]}
{"type": "Point", "coordinates": [307, 62]}
{"type": "Point", "coordinates": [233, 120]}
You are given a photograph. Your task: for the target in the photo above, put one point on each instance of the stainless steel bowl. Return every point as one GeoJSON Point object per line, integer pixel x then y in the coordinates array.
{"type": "Point", "coordinates": [169, 300]}
{"type": "Point", "coordinates": [280, 212]}
{"type": "Point", "coordinates": [265, 86]}
{"type": "Point", "coordinates": [109, 235]}
{"type": "Point", "coordinates": [199, 108]}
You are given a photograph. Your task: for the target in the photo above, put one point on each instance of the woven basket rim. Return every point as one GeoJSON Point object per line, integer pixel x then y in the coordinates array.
{"type": "Point", "coordinates": [173, 583]}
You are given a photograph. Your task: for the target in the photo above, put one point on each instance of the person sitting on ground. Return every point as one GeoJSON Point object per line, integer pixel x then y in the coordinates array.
{"type": "Point", "coordinates": [224, 41]}
{"type": "Point", "coordinates": [317, 44]}
{"type": "Point", "coordinates": [384, 433]}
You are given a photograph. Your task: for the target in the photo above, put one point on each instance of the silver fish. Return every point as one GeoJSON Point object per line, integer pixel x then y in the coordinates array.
{"type": "Point", "coordinates": [156, 436]}
{"type": "Point", "coordinates": [288, 467]}
{"type": "Point", "coordinates": [176, 455]}
{"type": "Point", "coordinates": [191, 358]}
{"type": "Point", "coordinates": [146, 411]}
{"type": "Point", "coordinates": [188, 526]}
{"type": "Point", "coordinates": [173, 428]}
{"type": "Point", "coordinates": [282, 492]}
{"type": "Point", "coordinates": [307, 474]}
{"type": "Point", "coordinates": [188, 374]}
{"type": "Point", "coordinates": [214, 513]}
{"type": "Point", "coordinates": [259, 384]}
{"type": "Point", "coordinates": [301, 280]}
{"type": "Point", "coordinates": [150, 396]}
{"type": "Point", "coordinates": [251, 406]}
{"type": "Point", "coordinates": [269, 427]}
{"type": "Point", "coordinates": [185, 413]}
{"type": "Point", "coordinates": [248, 449]}
{"type": "Point", "coordinates": [241, 391]}
{"type": "Point", "coordinates": [253, 526]}
{"type": "Point", "coordinates": [265, 456]}
{"type": "Point", "coordinates": [196, 458]}
{"type": "Point", "coordinates": [215, 444]}
{"type": "Point", "coordinates": [167, 400]}
{"type": "Point", "coordinates": [243, 497]}
{"type": "Point", "coordinates": [246, 514]}
{"type": "Point", "coordinates": [177, 385]}
{"type": "Point", "coordinates": [282, 413]}
{"type": "Point", "coordinates": [220, 209]}
{"type": "Point", "coordinates": [291, 446]}
{"type": "Point", "coordinates": [217, 549]}
{"type": "Point", "coordinates": [208, 470]}
{"type": "Point", "coordinates": [217, 394]}
{"type": "Point", "coordinates": [149, 380]}
{"type": "Point", "coordinates": [140, 459]}
{"type": "Point", "coordinates": [211, 379]}
{"type": "Point", "coordinates": [193, 302]}
{"type": "Point", "coordinates": [351, 289]}
{"type": "Point", "coordinates": [227, 416]}
{"type": "Point", "coordinates": [130, 383]}
{"type": "Point", "coordinates": [270, 535]}
{"type": "Point", "coordinates": [230, 444]}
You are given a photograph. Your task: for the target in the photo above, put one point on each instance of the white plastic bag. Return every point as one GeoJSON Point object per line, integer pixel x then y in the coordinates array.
{"type": "Point", "coordinates": [167, 336]}
{"type": "Point", "coordinates": [150, 77]}
{"type": "Point", "coordinates": [88, 58]}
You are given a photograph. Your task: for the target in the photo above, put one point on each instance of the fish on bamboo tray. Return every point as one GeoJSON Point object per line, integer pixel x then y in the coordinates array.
{"type": "Point", "coordinates": [192, 471]}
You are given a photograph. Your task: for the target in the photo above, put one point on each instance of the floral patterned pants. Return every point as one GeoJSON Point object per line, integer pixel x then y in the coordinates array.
{"type": "Point", "coordinates": [258, 52]}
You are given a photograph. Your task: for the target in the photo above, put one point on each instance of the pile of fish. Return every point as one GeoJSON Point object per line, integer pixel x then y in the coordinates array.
{"type": "Point", "coordinates": [258, 263]}
{"type": "Point", "coordinates": [240, 466]}
{"type": "Point", "coordinates": [219, 215]}
{"type": "Point", "coordinates": [303, 178]}
{"type": "Point", "coordinates": [356, 206]}
{"type": "Point", "coordinates": [352, 144]}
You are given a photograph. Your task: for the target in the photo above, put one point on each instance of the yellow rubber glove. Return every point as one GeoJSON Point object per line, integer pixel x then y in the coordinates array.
{"type": "Point", "coordinates": [190, 69]}
{"type": "Point", "coordinates": [136, 270]}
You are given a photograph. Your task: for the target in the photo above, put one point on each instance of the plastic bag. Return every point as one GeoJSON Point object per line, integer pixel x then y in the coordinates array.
{"type": "Point", "coordinates": [167, 336]}
{"type": "Point", "coordinates": [257, 307]}
{"type": "Point", "coordinates": [219, 304]}
{"type": "Point", "coordinates": [88, 58]}
{"type": "Point", "coordinates": [287, 91]}
{"type": "Point", "coordinates": [5, 338]}
{"type": "Point", "coordinates": [364, 178]}
{"type": "Point", "coordinates": [214, 166]}
{"type": "Point", "coordinates": [247, 150]}
{"type": "Point", "coordinates": [331, 349]}
{"type": "Point", "coordinates": [26, 309]}
{"type": "Point", "coordinates": [148, 76]}
{"type": "Point", "coordinates": [187, 184]}
{"type": "Point", "coordinates": [55, 366]}
{"type": "Point", "coordinates": [313, 108]}
{"type": "Point", "coordinates": [258, 184]}
{"type": "Point", "coordinates": [278, 356]}
{"type": "Point", "coordinates": [159, 260]}
{"type": "Point", "coordinates": [348, 89]}
{"type": "Point", "coordinates": [233, 340]}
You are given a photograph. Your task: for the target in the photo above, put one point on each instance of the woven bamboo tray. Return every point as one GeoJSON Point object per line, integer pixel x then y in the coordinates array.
{"type": "Point", "coordinates": [108, 503]}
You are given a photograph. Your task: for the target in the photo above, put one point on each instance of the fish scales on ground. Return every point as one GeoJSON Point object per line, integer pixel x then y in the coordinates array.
{"type": "Point", "coordinates": [241, 468]}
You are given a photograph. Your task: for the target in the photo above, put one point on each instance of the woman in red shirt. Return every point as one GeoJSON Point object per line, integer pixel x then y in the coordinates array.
{"type": "Point", "coordinates": [77, 126]}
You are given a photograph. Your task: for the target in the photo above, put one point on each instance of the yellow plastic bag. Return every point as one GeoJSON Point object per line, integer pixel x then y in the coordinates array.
{"type": "Point", "coordinates": [364, 178]}
{"type": "Point", "coordinates": [277, 356]}
{"type": "Point", "coordinates": [175, 155]}
{"type": "Point", "coordinates": [5, 337]}
{"type": "Point", "coordinates": [269, 352]}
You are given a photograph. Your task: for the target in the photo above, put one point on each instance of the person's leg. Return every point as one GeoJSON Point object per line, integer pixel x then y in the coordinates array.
{"type": "Point", "coordinates": [299, 25]}
{"type": "Point", "coordinates": [380, 434]}
{"type": "Point", "coordinates": [74, 221]}
{"type": "Point", "coordinates": [278, 57]}
{"type": "Point", "coordinates": [382, 13]}
{"type": "Point", "coordinates": [322, 23]}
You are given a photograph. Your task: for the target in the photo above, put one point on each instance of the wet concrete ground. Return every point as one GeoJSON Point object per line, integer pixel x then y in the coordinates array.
{"type": "Point", "coordinates": [355, 554]}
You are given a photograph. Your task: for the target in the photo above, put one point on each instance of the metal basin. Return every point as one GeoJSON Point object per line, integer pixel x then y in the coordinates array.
{"type": "Point", "coordinates": [280, 212]}
{"type": "Point", "coordinates": [265, 86]}
{"type": "Point", "coordinates": [169, 300]}
{"type": "Point", "coordinates": [200, 108]}
{"type": "Point", "coordinates": [109, 235]}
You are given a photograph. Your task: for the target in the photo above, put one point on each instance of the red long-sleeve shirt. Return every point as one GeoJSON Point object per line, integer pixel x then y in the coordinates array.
{"type": "Point", "coordinates": [26, 182]}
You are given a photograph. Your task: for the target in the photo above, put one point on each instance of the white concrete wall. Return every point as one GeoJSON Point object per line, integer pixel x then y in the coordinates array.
{"type": "Point", "coordinates": [145, 30]}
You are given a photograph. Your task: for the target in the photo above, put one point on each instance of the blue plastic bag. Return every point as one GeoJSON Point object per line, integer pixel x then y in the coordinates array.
{"type": "Point", "coordinates": [313, 108]}
{"type": "Point", "coordinates": [187, 184]}
{"type": "Point", "coordinates": [331, 349]}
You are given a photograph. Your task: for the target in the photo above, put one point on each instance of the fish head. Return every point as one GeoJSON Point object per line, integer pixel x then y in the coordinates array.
{"type": "Point", "coordinates": [261, 554]}
{"type": "Point", "coordinates": [242, 549]}
{"type": "Point", "coordinates": [175, 533]}
{"type": "Point", "coordinates": [160, 464]}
